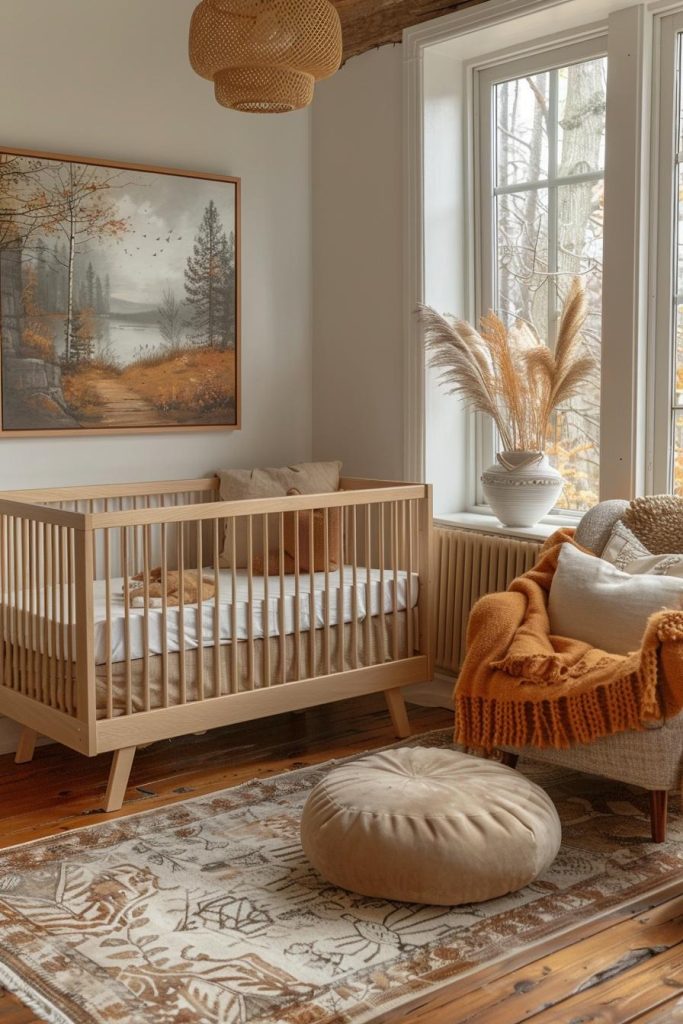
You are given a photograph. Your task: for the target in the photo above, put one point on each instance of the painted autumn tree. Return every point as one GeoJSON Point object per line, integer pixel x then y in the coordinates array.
{"type": "Point", "coordinates": [78, 206]}
{"type": "Point", "coordinates": [210, 283]}
{"type": "Point", "coordinates": [43, 199]}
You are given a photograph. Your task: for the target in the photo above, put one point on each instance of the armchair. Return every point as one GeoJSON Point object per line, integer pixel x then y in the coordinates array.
{"type": "Point", "coordinates": [651, 759]}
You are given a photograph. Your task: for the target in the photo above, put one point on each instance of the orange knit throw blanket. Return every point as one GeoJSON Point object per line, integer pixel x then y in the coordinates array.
{"type": "Point", "coordinates": [521, 686]}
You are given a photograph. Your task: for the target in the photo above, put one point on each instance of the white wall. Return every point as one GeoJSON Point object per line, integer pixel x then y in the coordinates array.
{"type": "Point", "coordinates": [113, 80]}
{"type": "Point", "coordinates": [358, 268]}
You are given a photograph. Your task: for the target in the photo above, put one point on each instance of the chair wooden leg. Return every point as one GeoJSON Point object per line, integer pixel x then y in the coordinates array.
{"type": "Point", "coordinates": [508, 758]}
{"type": "Point", "coordinates": [121, 764]}
{"type": "Point", "coordinates": [26, 745]}
{"type": "Point", "coordinates": [398, 713]}
{"type": "Point", "coordinates": [659, 799]}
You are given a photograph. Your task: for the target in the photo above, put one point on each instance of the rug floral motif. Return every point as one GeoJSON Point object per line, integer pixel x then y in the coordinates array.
{"type": "Point", "coordinates": [207, 912]}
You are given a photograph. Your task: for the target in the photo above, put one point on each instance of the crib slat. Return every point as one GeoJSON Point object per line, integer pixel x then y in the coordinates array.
{"type": "Point", "coordinates": [30, 629]}
{"type": "Point", "coordinates": [145, 617]}
{"type": "Point", "coordinates": [21, 559]}
{"type": "Point", "coordinates": [51, 614]}
{"type": "Point", "coordinates": [126, 619]}
{"type": "Point", "coordinates": [4, 680]}
{"type": "Point", "coordinates": [217, 663]}
{"type": "Point", "coordinates": [106, 541]}
{"type": "Point", "coordinates": [181, 612]}
{"type": "Point", "coordinates": [353, 542]}
{"type": "Point", "coordinates": [326, 610]}
{"type": "Point", "coordinates": [368, 586]}
{"type": "Point", "coordinates": [312, 667]}
{"type": "Point", "coordinates": [200, 610]}
{"type": "Point", "coordinates": [164, 615]}
{"type": "Point", "coordinates": [45, 562]}
{"type": "Point", "coordinates": [381, 558]}
{"type": "Point", "coordinates": [409, 566]}
{"type": "Point", "coordinates": [71, 560]}
{"type": "Point", "coordinates": [394, 560]}
{"type": "Point", "coordinates": [341, 625]}
{"type": "Point", "coordinates": [265, 604]}
{"type": "Point", "coordinates": [64, 629]}
{"type": "Point", "coordinates": [234, 682]}
{"type": "Point", "coordinates": [250, 603]}
{"type": "Point", "coordinates": [283, 638]}
{"type": "Point", "coordinates": [297, 598]}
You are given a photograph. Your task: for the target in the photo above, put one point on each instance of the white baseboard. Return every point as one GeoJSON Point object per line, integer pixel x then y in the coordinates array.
{"type": "Point", "coordinates": [437, 694]}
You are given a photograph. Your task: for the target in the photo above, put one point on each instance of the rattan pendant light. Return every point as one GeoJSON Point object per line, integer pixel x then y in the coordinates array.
{"type": "Point", "coordinates": [264, 56]}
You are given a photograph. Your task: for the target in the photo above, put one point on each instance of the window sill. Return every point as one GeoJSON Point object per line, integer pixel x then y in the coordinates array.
{"type": "Point", "coordinates": [483, 523]}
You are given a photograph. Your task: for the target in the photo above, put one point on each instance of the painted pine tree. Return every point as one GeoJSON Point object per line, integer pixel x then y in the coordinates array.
{"type": "Point", "coordinates": [210, 283]}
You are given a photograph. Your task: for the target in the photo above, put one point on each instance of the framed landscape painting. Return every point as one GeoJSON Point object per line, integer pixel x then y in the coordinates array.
{"type": "Point", "coordinates": [119, 297]}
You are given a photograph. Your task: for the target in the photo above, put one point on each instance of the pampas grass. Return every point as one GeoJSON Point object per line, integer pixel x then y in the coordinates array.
{"type": "Point", "coordinates": [509, 373]}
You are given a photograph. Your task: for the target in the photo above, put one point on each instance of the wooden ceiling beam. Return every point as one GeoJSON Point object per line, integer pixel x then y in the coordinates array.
{"type": "Point", "coordinates": [367, 24]}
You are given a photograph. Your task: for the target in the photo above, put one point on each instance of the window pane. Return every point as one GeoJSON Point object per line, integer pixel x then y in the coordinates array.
{"type": "Point", "coordinates": [574, 441]}
{"type": "Point", "coordinates": [678, 382]}
{"type": "Point", "coordinates": [678, 453]}
{"type": "Point", "coordinates": [522, 257]}
{"type": "Point", "coordinates": [582, 98]}
{"type": "Point", "coordinates": [522, 130]}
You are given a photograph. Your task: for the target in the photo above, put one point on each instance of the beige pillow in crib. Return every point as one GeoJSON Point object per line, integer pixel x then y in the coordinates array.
{"type": "Point", "coordinates": [242, 484]}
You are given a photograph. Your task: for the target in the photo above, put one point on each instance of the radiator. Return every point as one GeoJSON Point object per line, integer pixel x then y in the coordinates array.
{"type": "Point", "coordinates": [467, 566]}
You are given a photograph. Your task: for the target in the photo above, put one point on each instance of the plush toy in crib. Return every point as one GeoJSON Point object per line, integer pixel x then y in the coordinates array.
{"type": "Point", "coordinates": [155, 588]}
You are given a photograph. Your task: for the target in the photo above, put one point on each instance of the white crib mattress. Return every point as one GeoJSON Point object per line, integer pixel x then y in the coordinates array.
{"type": "Point", "coordinates": [265, 619]}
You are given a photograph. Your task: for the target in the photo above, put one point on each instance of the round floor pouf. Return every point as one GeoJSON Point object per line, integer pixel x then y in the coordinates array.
{"type": "Point", "coordinates": [427, 825]}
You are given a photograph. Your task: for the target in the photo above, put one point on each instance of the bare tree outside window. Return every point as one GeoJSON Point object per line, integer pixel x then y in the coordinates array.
{"type": "Point", "coordinates": [548, 223]}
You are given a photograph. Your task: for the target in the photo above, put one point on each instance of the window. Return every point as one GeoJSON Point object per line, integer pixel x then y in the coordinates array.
{"type": "Point", "coordinates": [542, 159]}
{"type": "Point", "coordinates": [549, 146]}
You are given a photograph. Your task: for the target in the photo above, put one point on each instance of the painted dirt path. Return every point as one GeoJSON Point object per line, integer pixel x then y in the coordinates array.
{"type": "Point", "coordinates": [122, 407]}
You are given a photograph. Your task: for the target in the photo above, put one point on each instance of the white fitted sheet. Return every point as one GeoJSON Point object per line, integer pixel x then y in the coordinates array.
{"type": "Point", "coordinates": [265, 619]}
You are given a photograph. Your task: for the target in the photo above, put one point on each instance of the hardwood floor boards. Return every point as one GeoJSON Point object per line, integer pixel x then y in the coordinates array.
{"type": "Point", "coordinates": [623, 966]}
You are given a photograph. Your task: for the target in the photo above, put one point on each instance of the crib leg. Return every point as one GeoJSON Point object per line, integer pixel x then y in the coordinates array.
{"type": "Point", "coordinates": [659, 799]}
{"type": "Point", "coordinates": [397, 711]}
{"type": "Point", "coordinates": [121, 765]}
{"type": "Point", "coordinates": [26, 745]}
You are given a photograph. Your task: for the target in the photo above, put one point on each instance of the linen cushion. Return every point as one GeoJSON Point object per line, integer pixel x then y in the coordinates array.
{"type": "Point", "coordinates": [425, 825]}
{"type": "Point", "coordinates": [241, 484]}
{"type": "Point", "coordinates": [305, 477]}
{"type": "Point", "coordinates": [624, 550]}
{"type": "Point", "coordinates": [593, 601]}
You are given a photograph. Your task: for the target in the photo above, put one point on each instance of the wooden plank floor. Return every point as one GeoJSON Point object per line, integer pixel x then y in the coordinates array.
{"type": "Point", "coordinates": [623, 966]}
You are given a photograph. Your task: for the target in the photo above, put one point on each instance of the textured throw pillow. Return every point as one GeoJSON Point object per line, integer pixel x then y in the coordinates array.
{"type": "Point", "coordinates": [241, 484]}
{"type": "Point", "coordinates": [624, 550]}
{"type": "Point", "coordinates": [593, 601]}
{"type": "Point", "coordinates": [657, 521]}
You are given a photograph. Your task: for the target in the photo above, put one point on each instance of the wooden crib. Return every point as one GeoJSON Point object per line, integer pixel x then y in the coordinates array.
{"type": "Point", "coordinates": [82, 666]}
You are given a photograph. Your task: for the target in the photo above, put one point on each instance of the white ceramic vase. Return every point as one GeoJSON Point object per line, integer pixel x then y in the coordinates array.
{"type": "Point", "coordinates": [521, 487]}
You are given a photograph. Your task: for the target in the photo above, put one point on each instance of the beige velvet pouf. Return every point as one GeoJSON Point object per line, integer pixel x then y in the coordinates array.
{"type": "Point", "coordinates": [427, 825]}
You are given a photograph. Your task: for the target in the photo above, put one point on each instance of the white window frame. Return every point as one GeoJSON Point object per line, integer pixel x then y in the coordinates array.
{"type": "Point", "coordinates": [664, 237]}
{"type": "Point", "coordinates": [485, 81]}
{"type": "Point", "coordinates": [448, 52]}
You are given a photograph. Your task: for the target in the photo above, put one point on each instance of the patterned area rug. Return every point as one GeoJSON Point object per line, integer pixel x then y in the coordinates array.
{"type": "Point", "coordinates": [207, 912]}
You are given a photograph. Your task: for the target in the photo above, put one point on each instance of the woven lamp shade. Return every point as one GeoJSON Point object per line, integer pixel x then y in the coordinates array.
{"type": "Point", "coordinates": [264, 56]}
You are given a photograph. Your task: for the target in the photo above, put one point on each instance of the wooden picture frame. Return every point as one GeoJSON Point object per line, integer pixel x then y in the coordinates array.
{"type": "Point", "coordinates": [98, 257]}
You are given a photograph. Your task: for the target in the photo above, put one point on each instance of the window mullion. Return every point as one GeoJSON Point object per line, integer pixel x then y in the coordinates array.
{"type": "Point", "coordinates": [553, 106]}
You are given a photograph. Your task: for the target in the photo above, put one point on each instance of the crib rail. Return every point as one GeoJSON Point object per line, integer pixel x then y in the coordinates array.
{"type": "Point", "coordinates": [120, 604]}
